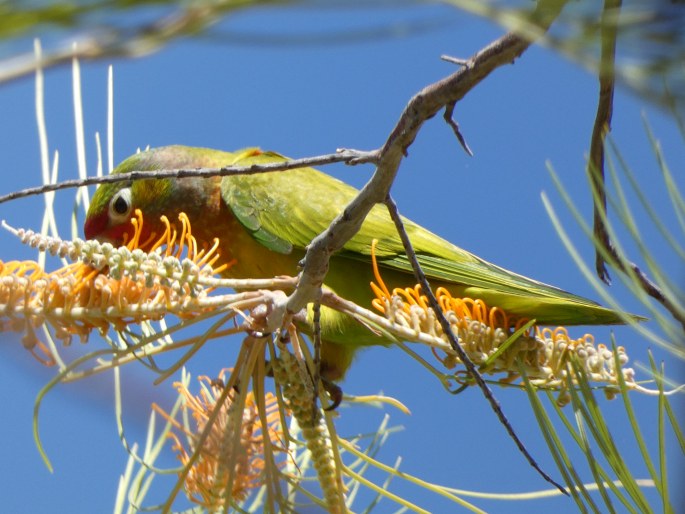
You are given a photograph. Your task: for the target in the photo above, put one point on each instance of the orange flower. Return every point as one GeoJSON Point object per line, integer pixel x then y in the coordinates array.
{"type": "Point", "coordinates": [229, 460]}
{"type": "Point", "coordinates": [481, 330]}
{"type": "Point", "coordinates": [107, 287]}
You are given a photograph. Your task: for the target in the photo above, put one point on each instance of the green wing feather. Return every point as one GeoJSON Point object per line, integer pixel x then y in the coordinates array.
{"type": "Point", "coordinates": [286, 210]}
{"type": "Point", "coordinates": [249, 208]}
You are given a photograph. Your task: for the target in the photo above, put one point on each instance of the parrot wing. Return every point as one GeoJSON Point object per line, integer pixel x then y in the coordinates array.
{"type": "Point", "coordinates": [286, 210]}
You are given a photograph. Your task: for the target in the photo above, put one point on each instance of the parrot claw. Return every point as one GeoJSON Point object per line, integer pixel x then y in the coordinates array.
{"type": "Point", "coordinates": [335, 393]}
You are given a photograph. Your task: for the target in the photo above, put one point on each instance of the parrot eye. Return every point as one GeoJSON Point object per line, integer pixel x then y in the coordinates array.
{"type": "Point", "coordinates": [120, 205]}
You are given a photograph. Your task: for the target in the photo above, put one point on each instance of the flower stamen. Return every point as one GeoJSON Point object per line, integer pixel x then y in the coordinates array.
{"type": "Point", "coordinates": [107, 286]}
{"type": "Point", "coordinates": [211, 481]}
{"type": "Point", "coordinates": [481, 329]}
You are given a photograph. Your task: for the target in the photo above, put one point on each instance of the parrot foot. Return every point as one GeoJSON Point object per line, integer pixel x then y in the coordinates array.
{"type": "Point", "coordinates": [334, 391]}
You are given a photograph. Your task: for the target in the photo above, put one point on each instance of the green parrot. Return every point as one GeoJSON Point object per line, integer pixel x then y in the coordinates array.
{"type": "Point", "coordinates": [265, 221]}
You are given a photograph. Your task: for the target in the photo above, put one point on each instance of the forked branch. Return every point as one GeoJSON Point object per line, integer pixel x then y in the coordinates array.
{"type": "Point", "coordinates": [423, 106]}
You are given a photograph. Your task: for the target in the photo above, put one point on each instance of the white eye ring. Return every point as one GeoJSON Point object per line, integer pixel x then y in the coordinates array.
{"type": "Point", "coordinates": [121, 205]}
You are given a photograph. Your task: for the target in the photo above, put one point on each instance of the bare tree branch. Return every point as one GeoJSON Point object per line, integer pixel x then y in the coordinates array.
{"type": "Point", "coordinates": [110, 43]}
{"type": "Point", "coordinates": [423, 106]}
{"type": "Point", "coordinates": [601, 128]}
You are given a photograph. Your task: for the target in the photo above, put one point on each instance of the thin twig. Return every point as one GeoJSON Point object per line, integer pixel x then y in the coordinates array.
{"type": "Point", "coordinates": [316, 372]}
{"type": "Point", "coordinates": [454, 343]}
{"type": "Point", "coordinates": [448, 117]}
{"type": "Point", "coordinates": [454, 60]}
{"type": "Point", "coordinates": [346, 156]}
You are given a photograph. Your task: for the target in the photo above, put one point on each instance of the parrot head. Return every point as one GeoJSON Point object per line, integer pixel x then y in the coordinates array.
{"type": "Point", "coordinates": [113, 205]}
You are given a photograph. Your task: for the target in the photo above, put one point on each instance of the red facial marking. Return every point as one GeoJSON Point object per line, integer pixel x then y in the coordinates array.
{"type": "Point", "coordinates": [95, 225]}
{"type": "Point", "coordinates": [115, 234]}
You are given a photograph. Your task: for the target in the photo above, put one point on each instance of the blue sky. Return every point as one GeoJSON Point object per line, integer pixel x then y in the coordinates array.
{"type": "Point", "coordinates": [310, 97]}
